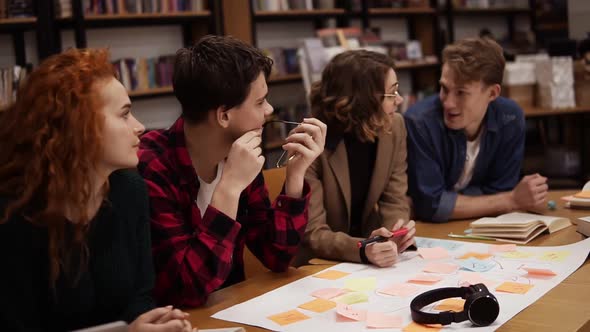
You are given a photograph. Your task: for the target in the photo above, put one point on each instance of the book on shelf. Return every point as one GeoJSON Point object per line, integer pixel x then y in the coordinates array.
{"type": "Point", "coordinates": [284, 60]}
{"type": "Point", "coordinates": [283, 5]}
{"type": "Point", "coordinates": [10, 80]}
{"type": "Point", "coordinates": [16, 8]}
{"type": "Point", "coordinates": [142, 6]}
{"type": "Point", "coordinates": [145, 73]}
{"type": "Point", "coordinates": [518, 227]}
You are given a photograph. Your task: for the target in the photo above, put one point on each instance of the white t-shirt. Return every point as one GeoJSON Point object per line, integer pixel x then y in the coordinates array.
{"type": "Point", "coordinates": [206, 190]}
{"type": "Point", "coordinates": [470, 159]}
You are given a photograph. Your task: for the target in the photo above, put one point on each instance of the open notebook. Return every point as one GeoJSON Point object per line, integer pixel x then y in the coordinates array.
{"type": "Point", "coordinates": [518, 227]}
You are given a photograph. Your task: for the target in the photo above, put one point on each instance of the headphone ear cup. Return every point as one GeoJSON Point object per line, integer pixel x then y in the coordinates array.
{"type": "Point", "coordinates": [481, 306]}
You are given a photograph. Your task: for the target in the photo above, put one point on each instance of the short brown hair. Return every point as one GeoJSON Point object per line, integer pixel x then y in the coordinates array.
{"type": "Point", "coordinates": [216, 71]}
{"type": "Point", "coordinates": [476, 59]}
{"type": "Point", "coordinates": [348, 98]}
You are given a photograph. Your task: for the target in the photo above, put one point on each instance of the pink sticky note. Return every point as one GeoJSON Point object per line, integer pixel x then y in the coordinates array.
{"type": "Point", "coordinates": [472, 278]}
{"type": "Point", "coordinates": [349, 312]}
{"type": "Point", "coordinates": [424, 279]}
{"type": "Point", "coordinates": [433, 253]}
{"type": "Point", "coordinates": [403, 290]}
{"type": "Point", "coordinates": [445, 268]}
{"type": "Point", "coordinates": [328, 293]}
{"type": "Point", "coordinates": [494, 248]}
{"type": "Point", "coordinates": [539, 272]}
{"type": "Point", "coordinates": [379, 320]}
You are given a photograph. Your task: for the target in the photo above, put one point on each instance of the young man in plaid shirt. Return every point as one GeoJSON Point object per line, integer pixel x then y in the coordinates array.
{"type": "Point", "coordinates": [208, 197]}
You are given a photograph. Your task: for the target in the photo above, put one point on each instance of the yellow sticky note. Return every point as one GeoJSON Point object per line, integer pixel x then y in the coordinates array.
{"type": "Point", "coordinates": [351, 298]}
{"type": "Point", "coordinates": [453, 304]}
{"type": "Point", "coordinates": [555, 256]}
{"type": "Point", "coordinates": [318, 305]}
{"type": "Point", "coordinates": [415, 327]}
{"type": "Point", "coordinates": [517, 254]}
{"type": "Point", "coordinates": [478, 255]}
{"type": "Point", "coordinates": [331, 274]}
{"type": "Point", "coordinates": [514, 287]}
{"type": "Point", "coordinates": [361, 284]}
{"type": "Point", "coordinates": [289, 317]}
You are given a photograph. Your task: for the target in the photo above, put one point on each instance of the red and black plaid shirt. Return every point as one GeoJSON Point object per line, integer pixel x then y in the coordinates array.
{"type": "Point", "coordinates": [195, 256]}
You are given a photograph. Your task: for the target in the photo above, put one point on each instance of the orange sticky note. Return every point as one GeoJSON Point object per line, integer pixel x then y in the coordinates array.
{"type": "Point", "coordinates": [433, 253]}
{"type": "Point", "coordinates": [514, 287]}
{"type": "Point", "coordinates": [494, 248]}
{"type": "Point", "coordinates": [424, 279]}
{"type": "Point", "coordinates": [453, 304]}
{"type": "Point", "coordinates": [582, 194]}
{"type": "Point", "coordinates": [478, 255]}
{"type": "Point", "coordinates": [349, 312]}
{"type": "Point", "coordinates": [415, 327]}
{"type": "Point", "coordinates": [444, 268]}
{"type": "Point", "coordinates": [540, 272]}
{"type": "Point", "coordinates": [378, 320]}
{"type": "Point", "coordinates": [331, 274]}
{"type": "Point", "coordinates": [318, 305]}
{"type": "Point", "coordinates": [328, 293]}
{"type": "Point", "coordinates": [403, 290]}
{"type": "Point", "coordinates": [288, 317]}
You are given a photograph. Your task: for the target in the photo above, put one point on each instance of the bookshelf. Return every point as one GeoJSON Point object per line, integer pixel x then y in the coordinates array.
{"type": "Point", "coordinates": [193, 23]}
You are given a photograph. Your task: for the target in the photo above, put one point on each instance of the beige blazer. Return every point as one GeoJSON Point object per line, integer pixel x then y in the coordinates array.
{"type": "Point", "coordinates": [326, 235]}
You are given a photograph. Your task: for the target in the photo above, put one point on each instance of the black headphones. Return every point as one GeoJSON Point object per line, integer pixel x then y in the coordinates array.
{"type": "Point", "coordinates": [481, 307]}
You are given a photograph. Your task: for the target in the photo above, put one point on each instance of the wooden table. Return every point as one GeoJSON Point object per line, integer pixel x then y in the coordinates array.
{"type": "Point", "coordinates": [566, 307]}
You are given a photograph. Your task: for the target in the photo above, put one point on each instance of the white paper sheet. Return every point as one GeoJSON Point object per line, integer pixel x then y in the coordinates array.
{"type": "Point", "coordinates": [255, 311]}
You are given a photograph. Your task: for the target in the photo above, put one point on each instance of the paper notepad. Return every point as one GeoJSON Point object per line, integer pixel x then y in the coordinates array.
{"type": "Point", "coordinates": [518, 227]}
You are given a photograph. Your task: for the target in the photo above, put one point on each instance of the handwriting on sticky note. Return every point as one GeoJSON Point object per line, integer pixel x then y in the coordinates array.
{"type": "Point", "coordinates": [318, 305]}
{"type": "Point", "coordinates": [424, 279]}
{"type": "Point", "coordinates": [433, 253]}
{"type": "Point", "coordinates": [476, 265]}
{"type": "Point", "coordinates": [555, 256]}
{"type": "Point", "coordinates": [331, 274]}
{"type": "Point", "coordinates": [414, 327]}
{"type": "Point", "coordinates": [444, 268]}
{"type": "Point", "coordinates": [328, 293]}
{"type": "Point", "coordinates": [539, 271]}
{"type": "Point", "coordinates": [401, 289]}
{"type": "Point", "coordinates": [351, 298]}
{"type": "Point", "coordinates": [289, 317]}
{"type": "Point", "coordinates": [495, 248]}
{"type": "Point", "coordinates": [361, 284]}
{"type": "Point", "coordinates": [453, 304]}
{"type": "Point", "coordinates": [422, 242]}
{"type": "Point", "coordinates": [514, 287]}
{"type": "Point", "coordinates": [517, 254]}
{"type": "Point", "coordinates": [378, 320]}
{"type": "Point", "coordinates": [478, 255]}
{"type": "Point", "coordinates": [349, 312]}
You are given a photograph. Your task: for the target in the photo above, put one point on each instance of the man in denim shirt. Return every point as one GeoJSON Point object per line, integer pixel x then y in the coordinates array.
{"type": "Point", "coordinates": [466, 145]}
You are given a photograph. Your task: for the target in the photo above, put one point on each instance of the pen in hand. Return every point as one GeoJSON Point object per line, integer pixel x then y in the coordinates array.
{"type": "Point", "coordinates": [400, 232]}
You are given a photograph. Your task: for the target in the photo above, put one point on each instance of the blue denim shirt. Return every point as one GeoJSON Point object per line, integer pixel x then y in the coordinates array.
{"type": "Point", "coordinates": [436, 156]}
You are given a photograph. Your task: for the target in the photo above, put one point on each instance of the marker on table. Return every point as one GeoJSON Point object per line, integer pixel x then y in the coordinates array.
{"type": "Point", "coordinates": [400, 232]}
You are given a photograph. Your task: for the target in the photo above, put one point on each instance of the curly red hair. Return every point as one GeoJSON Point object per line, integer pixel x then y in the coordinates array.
{"type": "Point", "coordinates": [50, 140]}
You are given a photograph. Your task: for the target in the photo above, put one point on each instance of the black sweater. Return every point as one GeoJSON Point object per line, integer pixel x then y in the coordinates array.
{"type": "Point", "coordinates": [116, 285]}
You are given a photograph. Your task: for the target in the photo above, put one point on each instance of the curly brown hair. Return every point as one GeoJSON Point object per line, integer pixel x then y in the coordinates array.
{"type": "Point", "coordinates": [50, 140]}
{"type": "Point", "coordinates": [349, 96]}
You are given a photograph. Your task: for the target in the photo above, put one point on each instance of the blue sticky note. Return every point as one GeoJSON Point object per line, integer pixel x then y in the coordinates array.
{"type": "Point", "coordinates": [423, 242]}
{"type": "Point", "coordinates": [476, 265]}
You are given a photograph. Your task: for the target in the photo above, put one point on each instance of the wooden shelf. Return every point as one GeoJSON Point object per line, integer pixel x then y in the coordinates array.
{"type": "Point", "coordinates": [401, 11]}
{"type": "Point", "coordinates": [490, 11]}
{"type": "Point", "coordinates": [297, 14]}
{"type": "Point", "coordinates": [409, 64]}
{"type": "Point", "coordinates": [150, 92]}
{"type": "Point", "coordinates": [531, 112]}
{"type": "Point", "coordinates": [17, 23]}
{"type": "Point", "coordinates": [120, 20]}
{"type": "Point", "coordinates": [286, 78]}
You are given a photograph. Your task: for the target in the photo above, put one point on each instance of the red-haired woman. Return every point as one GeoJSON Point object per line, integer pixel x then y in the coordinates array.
{"type": "Point", "coordinates": [75, 244]}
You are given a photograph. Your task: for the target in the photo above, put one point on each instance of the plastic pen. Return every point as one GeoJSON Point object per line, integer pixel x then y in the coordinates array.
{"type": "Point", "coordinates": [400, 232]}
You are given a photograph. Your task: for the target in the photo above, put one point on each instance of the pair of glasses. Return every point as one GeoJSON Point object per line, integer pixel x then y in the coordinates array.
{"type": "Point", "coordinates": [280, 162]}
{"type": "Point", "coordinates": [392, 95]}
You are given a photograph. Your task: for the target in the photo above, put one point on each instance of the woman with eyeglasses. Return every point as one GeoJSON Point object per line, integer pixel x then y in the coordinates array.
{"type": "Point", "coordinates": [75, 245]}
{"type": "Point", "coordinates": [358, 184]}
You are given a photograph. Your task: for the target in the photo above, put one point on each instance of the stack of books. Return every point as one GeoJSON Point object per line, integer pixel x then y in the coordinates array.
{"type": "Point", "coordinates": [141, 6]}
{"type": "Point", "coordinates": [145, 73]}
